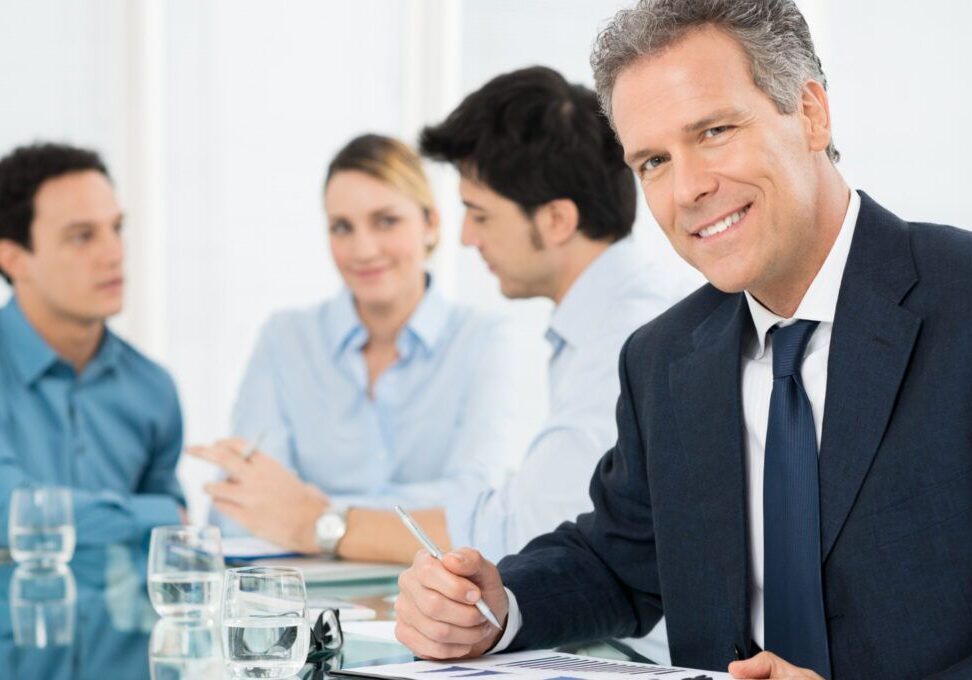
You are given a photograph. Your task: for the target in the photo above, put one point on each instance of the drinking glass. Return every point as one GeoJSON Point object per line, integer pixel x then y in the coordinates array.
{"type": "Point", "coordinates": [265, 631]}
{"type": "Point", "coordinates": [185, 571]}
{"type": "Point", "coordinates": [41, 525]}
{"type": "Point", "coordinates": [43, 605]}
{"type": "Point", "coordinates": [185, 650]}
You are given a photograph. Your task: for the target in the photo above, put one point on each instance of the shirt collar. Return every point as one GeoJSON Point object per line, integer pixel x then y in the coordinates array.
{"type": "Point", "coordinates": [426, 324]}
{"type": "Point", "coordinates": [33, 357]}
{"type": "Point", "coordinates": [819, 303]}
{"type": "Point", "coordinates": [576, 317]}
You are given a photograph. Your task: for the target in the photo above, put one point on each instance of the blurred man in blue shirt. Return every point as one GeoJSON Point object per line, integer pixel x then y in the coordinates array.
{"type": "Point", "coordinates": [79, 407]}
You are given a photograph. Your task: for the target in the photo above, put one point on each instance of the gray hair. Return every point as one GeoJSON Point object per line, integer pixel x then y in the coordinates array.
{"type": "Point", "coordinates": [773, 34]}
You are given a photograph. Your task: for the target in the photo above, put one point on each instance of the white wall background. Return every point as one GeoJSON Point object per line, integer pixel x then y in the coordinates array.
{"type": "Point", "coordinates": [217, 118]}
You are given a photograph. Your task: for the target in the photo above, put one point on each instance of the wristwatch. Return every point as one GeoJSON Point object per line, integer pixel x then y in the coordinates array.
{"type": "Point", "coordinates": [330, 528]}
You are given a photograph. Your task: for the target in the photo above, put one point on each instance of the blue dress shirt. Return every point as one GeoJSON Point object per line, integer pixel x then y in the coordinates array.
{"type": "Point", "coordinates": [441, 420]}
{"type": "Point", "coordinates": [112, 433]}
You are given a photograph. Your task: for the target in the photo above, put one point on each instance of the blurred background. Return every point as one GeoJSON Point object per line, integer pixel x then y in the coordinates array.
{"type": "Point", "coordinates": [217, 119]}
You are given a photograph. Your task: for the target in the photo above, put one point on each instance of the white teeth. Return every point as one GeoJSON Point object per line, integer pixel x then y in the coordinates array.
{"type": "Point", "coordinates": [723, 224]}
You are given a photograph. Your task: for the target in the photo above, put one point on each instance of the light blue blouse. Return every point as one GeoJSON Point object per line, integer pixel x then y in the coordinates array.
{"type": "Point", "coordinates": [442, 418]}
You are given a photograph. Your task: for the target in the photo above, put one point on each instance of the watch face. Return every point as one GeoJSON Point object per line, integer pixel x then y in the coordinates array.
{"type": "Point", "coordinates": [330, 529]}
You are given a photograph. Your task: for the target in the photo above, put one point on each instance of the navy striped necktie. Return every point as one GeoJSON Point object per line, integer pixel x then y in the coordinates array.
{"type": "Point", "coordinates": [796, 626]}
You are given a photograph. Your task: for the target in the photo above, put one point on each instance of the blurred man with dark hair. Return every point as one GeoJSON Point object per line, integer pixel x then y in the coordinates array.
{"type": "Point", "coordinates": [79, 407]}
{"type": "Point", "coordinates": [550, 206]}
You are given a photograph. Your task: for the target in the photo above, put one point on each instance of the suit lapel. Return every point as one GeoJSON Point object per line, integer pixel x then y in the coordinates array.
{"type": "Point", "coordinates": [707, 403]}
{"type": "Point", "coordinates": [870, 348]}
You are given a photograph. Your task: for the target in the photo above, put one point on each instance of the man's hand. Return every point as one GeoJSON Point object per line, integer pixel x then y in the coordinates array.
{"type": "Point", "coordinates": [767, 666]}
{"type": "Point", "coordinates": [436, 605]}
{"type": "Point", "coordinates": [264, 497]}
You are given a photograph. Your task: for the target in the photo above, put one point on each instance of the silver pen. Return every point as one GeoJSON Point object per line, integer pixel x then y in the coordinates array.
{"type": "Point", "coordinates": [254, 445]}
{"type": "Point", "coordinates": [427, 543]}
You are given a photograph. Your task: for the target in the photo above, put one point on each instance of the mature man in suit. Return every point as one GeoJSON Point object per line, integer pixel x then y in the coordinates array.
{"type": "Point", "coordinates": [827, 319]}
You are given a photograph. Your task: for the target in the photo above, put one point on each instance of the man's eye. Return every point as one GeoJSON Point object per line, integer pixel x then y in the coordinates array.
{"type": "Point", "coordinates": [80, 237]}
{"type": "Point", "coordinates": [340, 228]}
{"type": "Point", "coordinates": [387, 221]}
{"type": "Point", "coordinates": [652, 163]}
{"type": "Point", "coordinates": [717, 130]}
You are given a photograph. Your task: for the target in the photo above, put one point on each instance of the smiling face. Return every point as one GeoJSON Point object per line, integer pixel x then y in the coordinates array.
{"type": "Point", "coordinates": [378, 237]}
{"type": "Point", "coordinates": [73, 270]}
{"type": "Point", "coordinates": [731, 180]}
{"type": "Point", "coordinates": [508, 241]}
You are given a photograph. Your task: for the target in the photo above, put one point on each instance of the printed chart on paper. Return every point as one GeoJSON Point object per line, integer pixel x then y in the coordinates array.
{"type": "Point", "coordinates": [544, 665]}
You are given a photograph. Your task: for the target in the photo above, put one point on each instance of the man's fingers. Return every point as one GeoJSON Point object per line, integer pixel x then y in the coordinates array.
{"type": "Point", "coordinates": [436, 616]}
{"type": "Point", "coordinates": [433, 574]}
{"type": "Point", "coordinates": [768, 666]}
{"type": "Point", "coordinates": [755, 668]}
{"type": "Point", "coordinates": [426, 648]}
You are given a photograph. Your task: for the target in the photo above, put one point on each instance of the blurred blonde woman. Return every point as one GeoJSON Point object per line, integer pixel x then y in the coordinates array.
{"type": "Point", "coordinates": [387, 393]}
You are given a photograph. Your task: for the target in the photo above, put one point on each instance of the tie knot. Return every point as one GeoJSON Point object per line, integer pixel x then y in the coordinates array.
{"type": "Point", "coordinates": [789, 343]}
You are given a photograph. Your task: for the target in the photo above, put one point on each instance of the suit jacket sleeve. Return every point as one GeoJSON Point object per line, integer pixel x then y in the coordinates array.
{"type": "Point", "coordinates": [596, 577]}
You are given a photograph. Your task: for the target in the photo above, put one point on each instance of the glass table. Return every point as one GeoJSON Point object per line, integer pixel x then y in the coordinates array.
{"type": "Point", "coordinates": [92, 620]}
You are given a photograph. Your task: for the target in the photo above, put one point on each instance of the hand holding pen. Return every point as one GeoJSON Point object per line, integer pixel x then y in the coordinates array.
{"type": "Point", "coordinates": [438, 608]}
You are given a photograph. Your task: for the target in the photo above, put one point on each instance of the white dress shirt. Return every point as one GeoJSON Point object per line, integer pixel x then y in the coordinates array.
{"type": "Point", "coordinates": [818, 304]}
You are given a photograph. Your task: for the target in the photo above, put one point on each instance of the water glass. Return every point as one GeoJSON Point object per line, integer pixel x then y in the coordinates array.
{"type": "Point", "coordinates": [185, 571]}
{"type": "Point", "coordinates": [185, 650]}
{"type": "Point", "coordinates": [43, 605]}
{"type": "Point", "coordinates": [41, 526]}
{"type": "Point", "coordinates": [265, 631]}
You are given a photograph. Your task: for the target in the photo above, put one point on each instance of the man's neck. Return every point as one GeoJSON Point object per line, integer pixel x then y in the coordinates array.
{"type": "Point", "coordinates": [784, 297]}
{"type": "Point", "coordinates": [577, 257]}
{"type": "Point", "coordinates": [73, 340]}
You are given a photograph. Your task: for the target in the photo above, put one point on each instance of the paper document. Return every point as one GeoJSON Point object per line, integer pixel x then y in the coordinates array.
{"type": "Point", "coordinates": [542, 665]}
{"type": "Point", "coordinates": [319, 570]}
{"type": "Point", "coordinates": [349, 610]}
{"type": "Point", "coordinates": [374, 630]}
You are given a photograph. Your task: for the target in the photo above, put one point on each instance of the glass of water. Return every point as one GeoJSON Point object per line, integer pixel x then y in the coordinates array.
{"type": "Point", "coordinates": [185, 571]}
{"type": "Point", "coordinates": [41, 525]}
{"type": "Point", "coordinates": [265, 631]}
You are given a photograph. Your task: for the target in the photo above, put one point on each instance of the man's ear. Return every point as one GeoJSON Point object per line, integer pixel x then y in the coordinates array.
{"type": "Point", "coordinates": [815, 109]}
{"type": "Point", "coordinates": [12, 258]}
{"type": "Point", "coordinates": [557, 221]}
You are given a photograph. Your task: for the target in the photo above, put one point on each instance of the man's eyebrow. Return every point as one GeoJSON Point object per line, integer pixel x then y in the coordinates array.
{"type": "Point", "coordinates": [383, 210]}
{"type": "Point", "coordinates": [79, 224]}
{"type": "Point", "coordinates": [711, 119]}
{"type": "Point", "coordinates": [90, 224]}
{"type": "Point", "coordinates": [729, 113]}
{"type": "Point", "coordinates": [470, 204]}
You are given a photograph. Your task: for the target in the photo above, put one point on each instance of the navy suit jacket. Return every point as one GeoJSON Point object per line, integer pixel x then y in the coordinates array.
{"type": "Point", "coordinates": [669, 528]}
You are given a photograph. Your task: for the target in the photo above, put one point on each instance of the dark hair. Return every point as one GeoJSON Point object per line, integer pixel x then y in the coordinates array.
{"type": "Point", "coordinates": [23, 171]}
{"type": "Point", "coordinates": [533, 137]}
